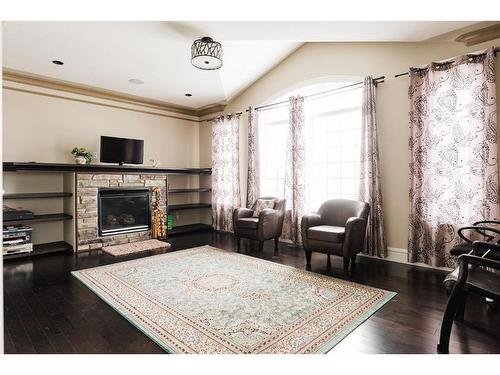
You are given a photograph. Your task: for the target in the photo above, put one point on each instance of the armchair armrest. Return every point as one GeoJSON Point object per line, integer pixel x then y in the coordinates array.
{"type": "Point", "coordinates": [308, 220]}
{"type": "Point", "coordinates": [241, 212]}
{"type": "Point", "coordinates": [268, 223]}
{"type": "Point", "coordinates": [355, 232]}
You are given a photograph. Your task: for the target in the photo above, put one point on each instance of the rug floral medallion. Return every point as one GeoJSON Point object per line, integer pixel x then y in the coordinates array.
{"type": "Point", "coordinates": [207, 300]}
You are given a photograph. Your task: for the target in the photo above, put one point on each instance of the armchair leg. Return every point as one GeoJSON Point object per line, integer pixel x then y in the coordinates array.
{"type": "Point", "coordinates": [276, 242]}
{"type": "Point", "coordinates": [238, 244]}
{"type": "Point", "coordinates": [308, 259]}
{"type": "Point", "coordinates": [347, 260]}
{"type": "Point", "coordinates": [261, 246]}
{"type": "Point", "coordinates": [446, 325]}
{"type": "Point", "coordinates": [353, 261]}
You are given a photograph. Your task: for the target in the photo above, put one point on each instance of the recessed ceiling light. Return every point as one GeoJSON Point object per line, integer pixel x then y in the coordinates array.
{"type": "Point", "coordinates": [136, 81]}
{"type": "Point", "coordinates": [188, 94]}
{"type": "Point", "coordinates": [57, 62]}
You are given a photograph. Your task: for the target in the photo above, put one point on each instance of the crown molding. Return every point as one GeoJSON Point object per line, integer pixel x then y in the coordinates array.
{"type": "Point", "coordinates": [211, 109]}
{"type": "Point", "coordinates": [482, 35]}
{"type": "Point", "coordinates": [77, 88]}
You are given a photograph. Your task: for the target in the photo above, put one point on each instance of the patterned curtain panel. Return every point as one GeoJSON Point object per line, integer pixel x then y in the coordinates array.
{"type": "Point", "coordinates": [253, 180]}
{"type": "Point", "coordinates": [370, 190]}
{"type": "Point", "coordinates": [225, 171]}
{"type": "Point", "coordinates": [453, 152]}
{"type": "Point", "coordinates": [295, 191]}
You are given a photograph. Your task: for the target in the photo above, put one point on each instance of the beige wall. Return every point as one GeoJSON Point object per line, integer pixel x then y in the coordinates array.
{"type": "Point", "coordinates": [314, 61]}
{"type": "Point", "coordinates": [45, 129]}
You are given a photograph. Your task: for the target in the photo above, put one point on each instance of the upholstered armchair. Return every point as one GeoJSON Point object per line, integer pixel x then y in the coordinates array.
{"type": "Point", "coordinates": [267, 225]}
{"type": "Point", "coordinates": [339, 228]}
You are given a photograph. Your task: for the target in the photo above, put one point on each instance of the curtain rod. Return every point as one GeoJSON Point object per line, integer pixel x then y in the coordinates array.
{"type": "Point", "coordinates": [213, 118]}
{"type": "Point", "coordinates": [376, 81]}
{"type": "Point", "coordinates": [496, 50]}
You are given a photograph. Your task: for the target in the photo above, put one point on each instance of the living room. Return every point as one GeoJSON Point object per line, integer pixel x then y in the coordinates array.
{"type": "Point", "coordinates": [251, 187]}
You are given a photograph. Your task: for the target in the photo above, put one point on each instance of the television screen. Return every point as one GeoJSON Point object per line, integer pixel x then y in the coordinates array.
{"type": "Point", "coordinates": [121, 150]}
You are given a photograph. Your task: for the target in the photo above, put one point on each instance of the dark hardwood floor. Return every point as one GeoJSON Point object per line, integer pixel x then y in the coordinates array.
{"type": "Point", "coordinates": [49, 311]}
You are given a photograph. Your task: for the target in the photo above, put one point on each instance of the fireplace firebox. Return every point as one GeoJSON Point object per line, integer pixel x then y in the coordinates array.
{"type": "Point", "coordinates": [123, 211]}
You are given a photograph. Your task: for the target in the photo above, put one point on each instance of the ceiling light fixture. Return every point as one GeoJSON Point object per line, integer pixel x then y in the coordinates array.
{"type": "Point", "coordinates": [206, 54]}
{"type": "Point", "coordinates": [57, 62]}
{"type": "Point", "coordinates": [136, 81]}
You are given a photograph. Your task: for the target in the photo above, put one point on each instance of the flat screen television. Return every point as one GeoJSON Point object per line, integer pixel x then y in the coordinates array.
{"type": "Point", "coordinates": [121, 150]}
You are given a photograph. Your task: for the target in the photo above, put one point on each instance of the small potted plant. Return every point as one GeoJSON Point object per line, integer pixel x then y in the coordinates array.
{"type": "Point", "coordinates": [82, 155]}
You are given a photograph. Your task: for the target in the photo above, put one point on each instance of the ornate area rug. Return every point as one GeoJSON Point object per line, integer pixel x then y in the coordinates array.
{"type": "Point", "coordinates": [135, 247]}
{"type": "Point", "coordinates": [207, 300]}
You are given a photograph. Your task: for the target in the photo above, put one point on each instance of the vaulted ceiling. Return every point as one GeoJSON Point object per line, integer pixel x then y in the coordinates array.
{"type": "Point", "coordinates": [108, 54]}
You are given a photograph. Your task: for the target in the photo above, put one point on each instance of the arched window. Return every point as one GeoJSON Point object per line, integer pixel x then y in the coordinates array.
{"type": "Point", "coordinates": [333, 140]}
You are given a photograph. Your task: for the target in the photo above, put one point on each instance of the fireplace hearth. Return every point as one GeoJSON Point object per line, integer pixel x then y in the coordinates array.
{"type": "Point", "coordinates": [123, 211]}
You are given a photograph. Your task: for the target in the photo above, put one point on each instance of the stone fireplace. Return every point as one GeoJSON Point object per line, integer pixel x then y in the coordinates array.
{"type": "Point", "coordinates": [113, 209]}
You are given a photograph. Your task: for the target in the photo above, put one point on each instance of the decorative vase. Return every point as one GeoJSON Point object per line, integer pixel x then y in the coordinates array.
{"type": "Point", "coordinates": [80, 160]}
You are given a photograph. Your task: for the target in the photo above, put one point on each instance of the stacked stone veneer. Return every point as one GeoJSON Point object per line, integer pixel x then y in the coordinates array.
{"type": "Point", "coordinates": [87, 186]}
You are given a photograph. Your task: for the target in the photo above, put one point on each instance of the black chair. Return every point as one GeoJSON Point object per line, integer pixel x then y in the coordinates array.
{"type": "Point", "coordinates": [480, 227]}
{"type": "Point", "coordinates": [476, 275]}
{"type": "Point", "coordinates": [489, 234]}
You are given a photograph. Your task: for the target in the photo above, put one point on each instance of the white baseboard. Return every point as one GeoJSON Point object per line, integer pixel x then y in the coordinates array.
{"type": "Point", "coordinates": [394, 254]}
{"type": "Point", "coordinates": [399, 255]}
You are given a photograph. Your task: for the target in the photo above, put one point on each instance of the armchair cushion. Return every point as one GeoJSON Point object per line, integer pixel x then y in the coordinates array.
{"type": "Point", "coordinates": [248, 222]}
{"type": "Point", "coordinates": [261, 205]}
{"type": "Point", "coordinates": [327, 233]}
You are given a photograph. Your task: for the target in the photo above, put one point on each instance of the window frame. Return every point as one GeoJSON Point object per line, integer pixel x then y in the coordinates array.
{"type": "Point", "coordinates": [349, 109]}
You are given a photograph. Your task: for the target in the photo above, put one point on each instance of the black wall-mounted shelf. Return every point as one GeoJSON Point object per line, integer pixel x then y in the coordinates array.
{"type": "Point", "coordinates": [40, 219]}
{"type": "Point", "coordinates": [36, 195]}
{"type": "Point", "coordinates": [41, 249]}
{"type": "Point", "coordinates": [188, 206]}
{"type": "Point", "coordinates": [97, 168]}
{"type": "Point", "coordinates": [190, 228]}
{"type": "Point", "coordinates": [199, 190]}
